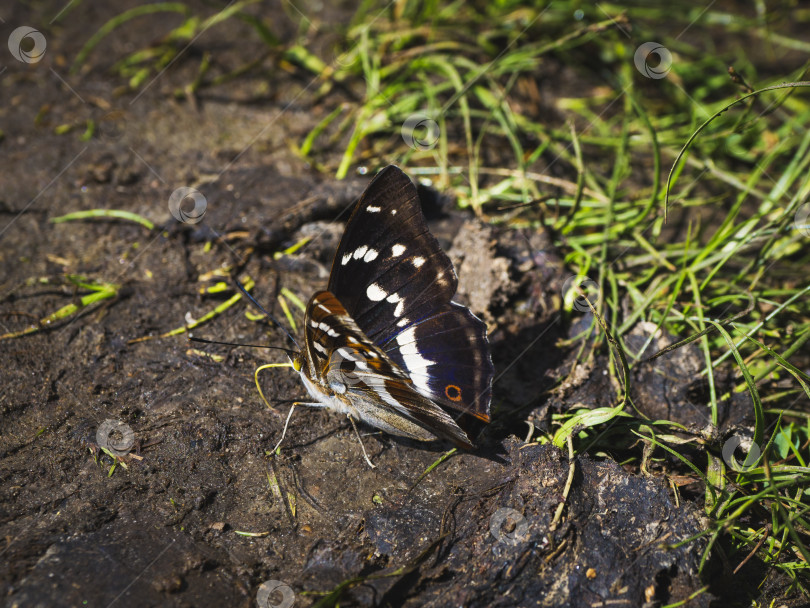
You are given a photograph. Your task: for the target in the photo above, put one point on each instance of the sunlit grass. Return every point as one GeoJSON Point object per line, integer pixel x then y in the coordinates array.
{"type": "Point", "coordinates": [94, 293]}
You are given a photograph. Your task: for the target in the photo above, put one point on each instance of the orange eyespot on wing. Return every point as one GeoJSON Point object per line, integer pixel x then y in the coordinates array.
{"type": "Point", "coordinates": [452, 392]}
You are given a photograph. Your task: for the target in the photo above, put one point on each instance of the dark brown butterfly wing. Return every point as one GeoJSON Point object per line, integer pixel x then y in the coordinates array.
{"type": "Point", "coordinates": [396, 283]}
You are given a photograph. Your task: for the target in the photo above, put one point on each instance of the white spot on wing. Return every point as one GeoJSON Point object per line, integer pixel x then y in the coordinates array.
{"type": "Point", "coordinates": [371, 254]}
{"type": "Point", "coordinates": [360, 252]}
{"type": "Point", "coordinates": [397, 250]}
{"type": "Point", "coordinates": [326, 328]}
{"type": "Point", "coordinates": [345, 259]}
{"type": "Point", "coordinates": [373, 209]}
{"type": "Point", "coordinates": [418, 261]}
{"type": "Point", "coordinates": [349, 355]}
{"type": "Point", "coordinates": [375, 293]}
{"type": "Point", "coordinates": [395, 299]}
{"type": "Point", "coordinates": [403, 322]}
{"type": "Point", "coordinates": [415, 363]}
{"type": "Point", "coordinates": [393, 211]}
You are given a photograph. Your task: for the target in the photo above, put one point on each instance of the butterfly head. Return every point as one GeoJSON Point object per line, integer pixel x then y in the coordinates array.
{"type": "Point", "coordinates": [296, 360]}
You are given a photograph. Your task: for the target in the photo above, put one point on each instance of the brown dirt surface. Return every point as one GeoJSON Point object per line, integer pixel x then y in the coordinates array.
{"type": "Point", "coordinates": [166, 529]}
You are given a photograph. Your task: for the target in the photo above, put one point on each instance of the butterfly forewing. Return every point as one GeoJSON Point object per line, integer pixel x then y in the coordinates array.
{"type": "Point", "coordinates": [389, 270]}
{"type": "Point", "coordinates": [395, 281]}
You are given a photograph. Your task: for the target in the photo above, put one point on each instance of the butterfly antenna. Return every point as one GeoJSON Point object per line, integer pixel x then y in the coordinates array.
{"type": "Point", "coordinates": [269, 316]}
{"type": "Point", "coordinates": [289, 352]}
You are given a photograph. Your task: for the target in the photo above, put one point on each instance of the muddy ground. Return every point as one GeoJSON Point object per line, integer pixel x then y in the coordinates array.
{"type": "Point", "coordinates": [481, 529]}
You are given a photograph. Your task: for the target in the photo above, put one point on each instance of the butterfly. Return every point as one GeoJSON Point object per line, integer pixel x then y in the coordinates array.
{"type": "Point", "coordinates": [384, 343]}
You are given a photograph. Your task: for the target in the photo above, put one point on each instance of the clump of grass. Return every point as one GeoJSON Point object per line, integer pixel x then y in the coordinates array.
{"type": "Point", "coordinates": [148, 62]}
{"type": "Point", "coordinates": [95, 292]}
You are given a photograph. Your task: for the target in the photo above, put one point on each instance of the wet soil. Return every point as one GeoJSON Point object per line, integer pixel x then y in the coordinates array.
{"type": "Point", "coordinates": [199, 512]}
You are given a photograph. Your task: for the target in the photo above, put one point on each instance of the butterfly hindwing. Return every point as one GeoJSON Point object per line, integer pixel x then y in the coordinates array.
{"type": "Point", "coordinates": [446, 359]}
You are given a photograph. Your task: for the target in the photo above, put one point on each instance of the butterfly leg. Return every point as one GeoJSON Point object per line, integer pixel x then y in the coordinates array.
{"type": "Point", "coordinates": [287, 422]}
{"type": "Point", "coordinates": [365, 455]}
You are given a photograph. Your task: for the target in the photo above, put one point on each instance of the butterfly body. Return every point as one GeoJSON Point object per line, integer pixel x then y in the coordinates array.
{"type": "Point", "coordinates": [385, 344]}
